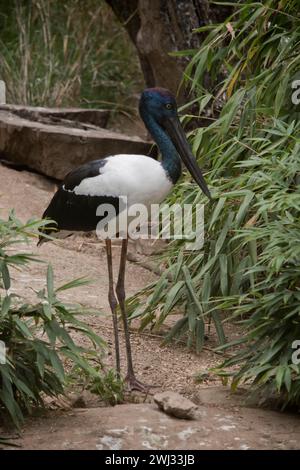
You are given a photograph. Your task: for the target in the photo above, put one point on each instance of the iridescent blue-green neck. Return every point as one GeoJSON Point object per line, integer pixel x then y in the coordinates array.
{"type": "Point", "coordinates": [171, 162]}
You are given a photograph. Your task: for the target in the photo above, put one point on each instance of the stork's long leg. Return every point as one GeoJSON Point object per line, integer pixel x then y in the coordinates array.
{"type": "Point", "coordinates": [133, 383]}
{"type": "Point", "coordinates": [113, 303]}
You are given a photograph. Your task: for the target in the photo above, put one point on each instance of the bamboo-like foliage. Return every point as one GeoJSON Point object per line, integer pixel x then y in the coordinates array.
{"type": "Point", "coordinates": [249, 267]}
{"type": "Point", "coordinates": [37, 336]}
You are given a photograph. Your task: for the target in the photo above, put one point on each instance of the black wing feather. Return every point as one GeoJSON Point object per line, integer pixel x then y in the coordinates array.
{"type": "Point", "coordinates": [76, 212]}
{"type": "Point", "coordinates": [88, 170]}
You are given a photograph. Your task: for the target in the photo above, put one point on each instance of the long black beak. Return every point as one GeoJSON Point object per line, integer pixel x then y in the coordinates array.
{"type": "Point", "coordinates": [174, 129]}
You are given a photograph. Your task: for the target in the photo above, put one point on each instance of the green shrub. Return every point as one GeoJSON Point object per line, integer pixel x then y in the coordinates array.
{"type": "Point", "coordinates": [37, 336]}
{"type": "Point", "coordinates": [109, 387]}
{"type": "Point", "coordinates": [249, 266]}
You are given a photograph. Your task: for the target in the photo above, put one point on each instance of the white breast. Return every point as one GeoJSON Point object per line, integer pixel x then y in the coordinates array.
{"type": "Point", "coordinates": [141, 179]}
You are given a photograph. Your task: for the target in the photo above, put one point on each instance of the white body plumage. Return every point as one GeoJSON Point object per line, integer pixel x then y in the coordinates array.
{"type": "Point", "coordinates": [140, 178]}
{"type": "Point", "coordinates": [104, 185]}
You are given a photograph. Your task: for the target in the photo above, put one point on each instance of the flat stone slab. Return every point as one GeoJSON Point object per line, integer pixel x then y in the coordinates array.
{"type": "Point", "coordinates": [143, 426]}
{"type": "Point", "coordinates": [96, 117]}
{"type": "Point", "coordinates": [56, 149]}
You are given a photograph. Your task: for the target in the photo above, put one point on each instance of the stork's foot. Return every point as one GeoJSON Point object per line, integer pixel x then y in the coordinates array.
{"type": "Point", "coordinates": [134, 384]}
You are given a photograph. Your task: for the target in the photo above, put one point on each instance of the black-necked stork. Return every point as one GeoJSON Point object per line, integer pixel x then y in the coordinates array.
{"type": "Point", "coordinates": [141, 179]}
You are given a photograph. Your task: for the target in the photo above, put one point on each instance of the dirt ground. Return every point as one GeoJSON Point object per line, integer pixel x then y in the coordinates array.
{"type": "Point", "coordinates": [171, 367]}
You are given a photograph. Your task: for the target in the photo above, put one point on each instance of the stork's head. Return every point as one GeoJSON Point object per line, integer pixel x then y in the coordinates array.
{"type": "Point", "coordinates": [160, 105]}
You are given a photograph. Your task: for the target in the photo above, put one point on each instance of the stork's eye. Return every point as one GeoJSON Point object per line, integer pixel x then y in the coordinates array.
{"type": "Point", "coordinates": [169, 106]}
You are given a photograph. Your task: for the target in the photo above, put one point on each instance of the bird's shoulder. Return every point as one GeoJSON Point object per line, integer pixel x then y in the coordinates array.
{"type": "Point", "coordinates": [88, 170]}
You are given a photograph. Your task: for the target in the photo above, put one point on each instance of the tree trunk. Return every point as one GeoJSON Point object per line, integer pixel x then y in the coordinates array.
{"type": "Point", "coordinates": [158, 27]}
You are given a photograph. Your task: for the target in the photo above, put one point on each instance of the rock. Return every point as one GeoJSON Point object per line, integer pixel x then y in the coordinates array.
{"type": "Point", "coordinates": [54, 150]}
{"type": "Point", "coordinates": [85, 399]}
{"type": "Point", "coordinates": [96, 117]}
{"type": "Point", "coordinates": [216, 395]}
{"type": "Point", "coordinates": [174, 404]}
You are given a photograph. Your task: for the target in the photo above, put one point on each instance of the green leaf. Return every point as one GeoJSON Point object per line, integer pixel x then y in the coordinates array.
{"type": "Point", "coordinates": [192, 316]}
{"type": "Point", "coordinates": [223, 274]}
{"type": "Point", "coordinates": [23, 327]}
{"type": "Point", "coordinates": [222, 237]}
{"type": "Point", "coordinates": [281, 93]}
{"type": "Point", "coordinates": [5, 274]}
{"type": "Point", "coordinates": [216, 212]}
{"type": "Point", "coordinates": [81, 281]}
{"type": "Point", "coordinates": [40, 361]}
{"type": "Point", "coordinates": [219, 327]}
{"type": "Point", "coordinates": [5, 306]}
{"type": "Point", "coordinates": [191, 290]}
{"type": "Point", "coordinates": [244, 208]}
{"type": "Point", "coordinates": [178, 266]}
{"type": "Point", "coordinates": [177, 329]}
{"type": "Point", "coordinates": [159, 290]}
{"type": "Point", "coordinates": [206, 290]}
{"type": "Point", "coordinates": [57, 365]}
{"type": "Point", "coordinates": [199, 334]}
{"type": "Point", "coordinates": [172, 296]}
{"type": "Point", "coordinates": [23, 388]}
{"type": "Point", "coordinates": [288, 379]}
{"type": "Point", "coordinates": [279, 377]}
{"type": "Point", "coordinates": [47, 310]}
{"type": "Point", "coordinates": [50, 286]}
